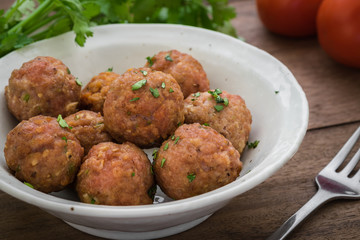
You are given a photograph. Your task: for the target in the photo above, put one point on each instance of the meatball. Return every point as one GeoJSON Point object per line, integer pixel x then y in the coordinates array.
{"type": "Point", "coordinates": [144, 107]}
{"type": "Point", "coordinates": [116, 174]}
{"type": "Point", "coordinates": [43, 153]}
{"type": "Point", "coordinates": [42, 86]}
{"type": "Point", "coordinates": [93, 95]}
{"type": "Point", "coordinates": [225, 112]}
{"type": "Point", "coordinates": [187, 71]}
{"type": "Point", "coordinates": [196, 160]}
{"type": "Point", "coordinates": [88, 128]}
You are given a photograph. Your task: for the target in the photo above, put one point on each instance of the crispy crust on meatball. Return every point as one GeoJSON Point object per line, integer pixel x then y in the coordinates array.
{"type": "Point", "coordinates": [148, 114]}
{"type": "Point", "coordinates": [89, 128]}
{"type": "Point", "coordinates": [94, 94]}
{"type": "Point", "coordinates": [42, 86]}
{"type": "Point", "coordinates": [196, 160]}
{"type": "Point", "coordinates": [43, 154]}
{"type": "Point", "coordinates": [187, 71]}
{"type": "Point", "coordinates": [116, 174]}
{"type": "Point", "coordinates": [233, 121]}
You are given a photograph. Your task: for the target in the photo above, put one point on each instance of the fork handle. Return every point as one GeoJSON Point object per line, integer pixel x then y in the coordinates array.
{"type": "Point", "coordinates": [320, 197]}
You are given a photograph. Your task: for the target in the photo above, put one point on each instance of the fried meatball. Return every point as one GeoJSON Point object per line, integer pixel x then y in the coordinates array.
{"type": "Point", "coordinates": [144, 107]}
{"type": "Point", "coordinates": [196, 160]}
{"type": "Point", "coordinates": [88, 127]}
{"type": "Point", "coordinates": [42, 86]}
{"type": "Point", "coordinates": [42, 153]}
{"type": "Point", "coordinates": [116, 174]}
{"type": "Point", "coordinates": [228, 115]}
{"type": "Point", "coordinates": [187, 71]}
{"type": "Point", "coordinates": [93, 95]}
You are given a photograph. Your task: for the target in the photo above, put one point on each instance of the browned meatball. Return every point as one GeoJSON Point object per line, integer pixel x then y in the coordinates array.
{"type": "Point", "coordinates": [94, 94]}
{"type": "Point", "coordinates": [42, 86]}
{"type": "Point", "coordinates": [144, 107]}
{"type": "Point", "coordinates": [187, 71]}
{"type": "Point", "coordinates": [42, 153]}
{"type": "Point", "coordinates": [196, 160]}
{"type": "Point", "coordinates": [116, 174]}
{"type": "Point", "coordinates": [228, 115]}
{"type": "Point", "coordinates": [88, 127]}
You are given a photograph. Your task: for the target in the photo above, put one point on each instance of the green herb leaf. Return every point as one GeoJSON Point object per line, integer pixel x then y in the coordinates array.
{"type": "Point", "coordinates": [166, 146]}
{"type": "Point", "coordinates": [176, 140]}
{"type": "Point", "coordinates": [138, 85]}
{"type": "Point", "coordinates": [150, 61]}
{"type": "Point", "coordinates": [276, 92]}
{"type": "Point", "coordinates": [26, 97]}
{"type": "Point", "coordinates": [253, 144]}
{"type": "Point", "coordinates": [144, 72]}
{"type": "Point", "coordinates": [191, 177]}
{"type": "Point", "coordinates": [171, 90]}
{"type": "Point", "coordinates": [110, 69]}
{"type": "Point", "coordinates": [28, 184]}
{"type": "Point", "coordinates": [154, 92]}
{"type": "Point", "coordinates": [134, 99]}
{"type": "Point", "coordinates": [78, 82]}
{"type": "Point", "coordinates": [162, 85]}
{"type": "Point", "coordinates": [162, 162]}
{"type": "Point", "coordinates": [62, 122]}
{"type": "Point", "coordinates": [154, 154]}
{"type": "Point", "coordinates": [218, 108]}
{"type": "Point", "coordinates": [132, 174]}
{"type": "Point", "coordinates": [64, 138]}
{"type": "Point", "coordinates": [168, 58]}
{"type": "Point", "coordinates": [206, 124]}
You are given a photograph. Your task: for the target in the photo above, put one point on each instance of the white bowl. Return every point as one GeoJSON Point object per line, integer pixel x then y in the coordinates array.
{"type": "Point", "coordinates": [278, 105]}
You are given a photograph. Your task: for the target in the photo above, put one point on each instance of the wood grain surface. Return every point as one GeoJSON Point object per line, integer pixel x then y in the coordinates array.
{"type": "Point", "coordinates": [333, 93]}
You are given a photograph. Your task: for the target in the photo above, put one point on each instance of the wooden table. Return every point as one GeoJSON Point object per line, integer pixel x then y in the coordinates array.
{"type": "Point", "coordinates": [333, 92]}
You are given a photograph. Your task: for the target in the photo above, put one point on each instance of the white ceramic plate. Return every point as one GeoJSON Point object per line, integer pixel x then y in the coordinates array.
{"type": "Point", "coordinates": [278, 105]}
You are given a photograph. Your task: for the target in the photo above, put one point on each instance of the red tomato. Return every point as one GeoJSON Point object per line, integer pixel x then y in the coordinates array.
{"type": "Point", "coordinates": [295, 18]}
{"type": "Point", "coordinates": [338, 23]}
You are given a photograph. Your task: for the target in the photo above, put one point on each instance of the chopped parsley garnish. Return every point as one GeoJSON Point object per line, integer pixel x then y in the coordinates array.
{"type": "Point", "coordinates": [134, 99]}
{"type": "Point", "coordinates": [133, 174]}
{"type": "Point", "coordinates": [68, 70]}
{"type": "Point", "coordinates": [166, 146]}
{"type": "Point", "coordinates": [138, 85]}
{"type": "Point", "coordinates": [162, 85]}
{"type": "Point", "coordinates": [93, 201]}
{"type": "Point", "coordinates": [168, 58]}
{"type": "Point", "coordinates": [226, 101]}
{"type": "Point", "coordinates": [150, 60]}
{"type": "Point", "coordinates": [64, 138]}
{"type": "Point", "coordinates": [206, 124]}
{"type": "Point", "coordinates": [171, 90]}
{"type": "Point", "coordinates": [154, 154]}
{"type": "Point", "coordinates": [253, 144]}
{"type": "Point", "coordinates": [176, 140]}
{"type": "Point", "coordinates": [191, 177]}
{"type": "Point", "coordinates": [28, 184]}
{"type": "Point", "coordinates": [219, 107]}
{"type": "Point", "coordinates": [162, 162]}
{"type": "Point", "coordinates": [144, 72]}
{"type": "Point", "coordinates": [172, 137]}
{"type": "Point", "coordinates": [78, 82]}
{"type": "Point", "coordinates": [276, 92]}
{"type": "Point", "coordinates": [26, 97]}
{"type": "Point", "coordinates": [110, 69]}
{"type": "Point", "coordinates": [196, 94]}
{"type": "Point", "coordinates": [154, 92]}
{"type": "Point", "coordinates": [62, 122]}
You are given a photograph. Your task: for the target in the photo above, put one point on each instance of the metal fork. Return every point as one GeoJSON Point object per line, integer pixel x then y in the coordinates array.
{"type": "Point", "coordinates": [332, 184]}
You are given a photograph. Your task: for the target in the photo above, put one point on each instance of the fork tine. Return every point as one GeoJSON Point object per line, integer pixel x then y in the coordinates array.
{"type": "Point", "coordinates": [352, 163]}
{"type": "Point", "coordinates": [345, 150]}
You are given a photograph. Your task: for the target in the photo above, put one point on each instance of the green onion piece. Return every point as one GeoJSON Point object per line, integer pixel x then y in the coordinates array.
{"type": "Point", "coordinates": [171, 90]}
{"type": "Point", "coordinates": [110, 69]}
{"type": "Point", "coordinates": [138, 85]}
{"type": "Point", "coordinates": [154, 92]}
{"type": "Point", "coordinates": [226, 101]}
{"type": "Point", "coordinates": [28, 184]}
{"type": "Point", "coordinates": [62, 122]}
{"type": "Point", "coordinates": [162, 162]}
{"type": "Point", "coordinates": [144, 72]}
{"type": "Point", "coordinates": [64, 138]}
{"type": "Point", "coordinates": [176, 140]}
{"type": "Point", "coordinates": [206, 124]}
{"type": "Point", "coordinates": [191, 177]}
{"type": "Point", "coordinates": [134, 99]}
{"type": "Point", "coordinates": [133, 174]}
{"type": "Point", "coordinates": [166, 146]}
{"type": "Point", "coordinates": [276, 92]}
{"type": "Point", "coordinates": [78, 82]}
{"type": "Point", "coordinates": [172, 137]}
{"type": "Point", "coordinates": [154, 154]}
{"type": "Point", "coordinates": [68, 70]}
{"type": "Point", "coordinates": [218, 107]}
{"type": "Point", "coordinates": [26, 97]}
{"type": "Point", "coordinates": [196, 94]}
{"type": "Point", "coordinates": [168, 58]}
{"type": "Point", "coordinates": [163, 85]}
{"type": "Point", "coordinates": [93, 201]}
